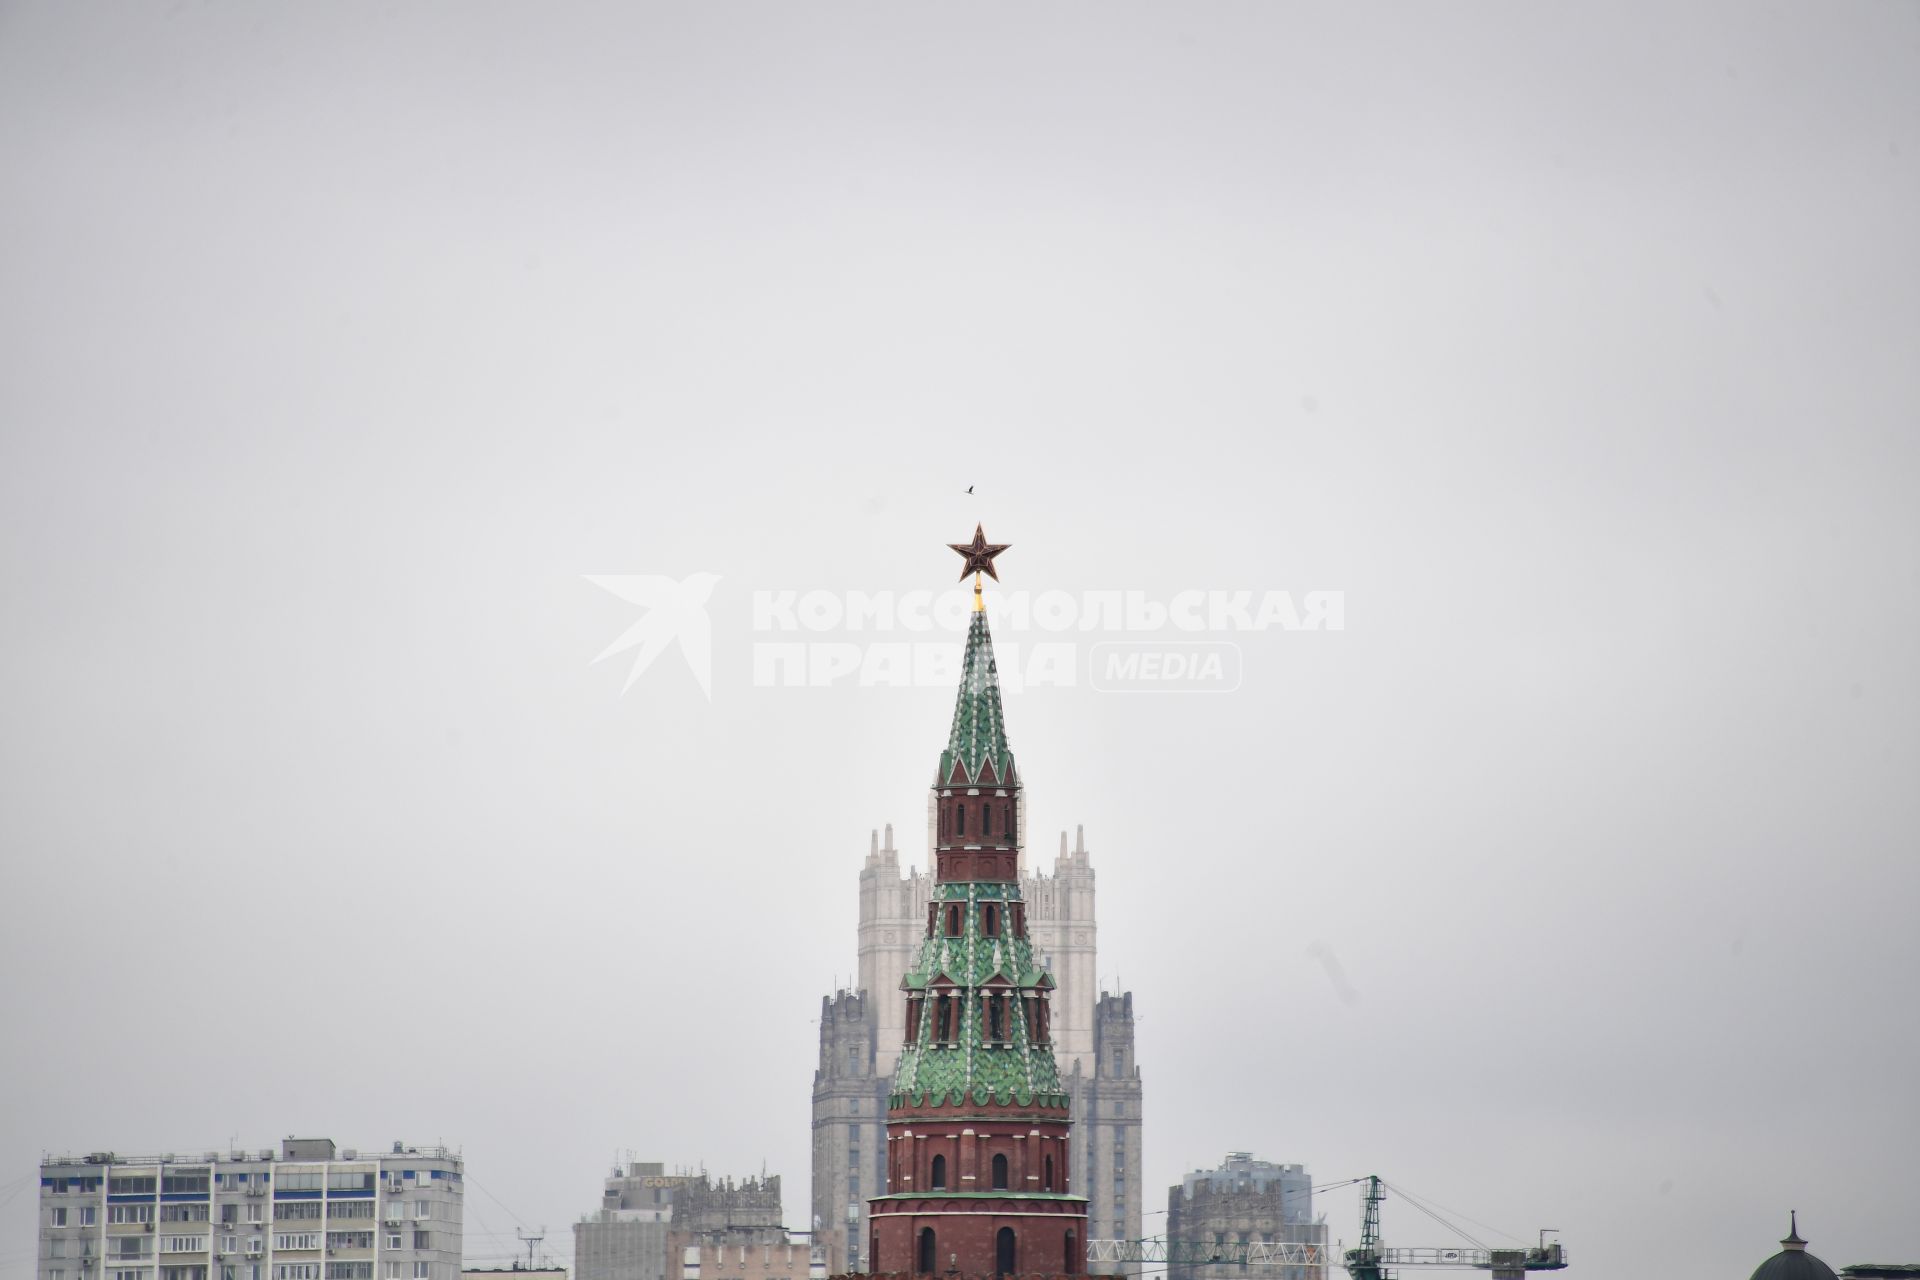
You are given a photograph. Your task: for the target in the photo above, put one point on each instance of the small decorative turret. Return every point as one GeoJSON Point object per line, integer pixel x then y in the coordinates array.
{"type": "Point", "coordinates": [1793, 1262]}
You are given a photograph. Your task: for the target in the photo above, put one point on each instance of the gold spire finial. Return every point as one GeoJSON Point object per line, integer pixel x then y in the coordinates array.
{"type": "Point", "coordinates": [979, 556]}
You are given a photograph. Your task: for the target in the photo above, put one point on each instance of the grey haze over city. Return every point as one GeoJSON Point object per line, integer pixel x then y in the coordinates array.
{"type": "Point", "coordinates": [1570, 882]}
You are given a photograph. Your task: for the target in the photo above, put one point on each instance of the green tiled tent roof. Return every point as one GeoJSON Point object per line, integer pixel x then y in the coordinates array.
{"type": "Point", "coordinates": [979, 732]}
{"type": "Point", "coordinates": [968, 1069]}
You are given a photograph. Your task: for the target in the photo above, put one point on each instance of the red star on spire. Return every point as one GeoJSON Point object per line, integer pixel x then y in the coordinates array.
{"type": "Point", "coordinates": [979, 554]}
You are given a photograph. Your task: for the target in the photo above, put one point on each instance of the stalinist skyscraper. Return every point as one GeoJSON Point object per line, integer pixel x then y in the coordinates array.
{"type": "Point", "coordinates": [863, 1031]}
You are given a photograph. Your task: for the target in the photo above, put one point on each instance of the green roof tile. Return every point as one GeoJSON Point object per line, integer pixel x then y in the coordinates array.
{"type": "Point", "coordinates": [969, 1068]}
{"type": "Point", "coordinates": [979, 732]}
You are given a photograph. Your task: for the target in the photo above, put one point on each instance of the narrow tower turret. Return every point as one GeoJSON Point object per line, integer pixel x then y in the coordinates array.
{"type": "Point", "coordinates": [977, 1174]}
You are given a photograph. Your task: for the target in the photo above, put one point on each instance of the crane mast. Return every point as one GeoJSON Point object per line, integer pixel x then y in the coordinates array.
{"type": "Point", "coordinates": [1370, 1260]}
{"type": "Point", "coordinates": [1364, 1263]}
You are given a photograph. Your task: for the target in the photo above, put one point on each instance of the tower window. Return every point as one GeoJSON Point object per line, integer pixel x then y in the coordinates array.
{"type": "Point", "coordinates": [953, 921]}
{"type": "Point", "coordinates": [992, 920]}
{"type": "Point", "coordinates": [999, 1173]}
{"type": "Point", "coordinates": [1072, 1260]}
{"type": "Point", "coordinates": [986, 820]}
{"type": "Point", "coordinates": [939, 1173]}
{"type": "Point", "coordinates": [1047, 1181]}
{"type": "Point", "coordinates": [960, 820]}
{"type": "Point", "coordinates": [924, 1263]}
{"type": "Point", "coordinates": [1003, 1252]}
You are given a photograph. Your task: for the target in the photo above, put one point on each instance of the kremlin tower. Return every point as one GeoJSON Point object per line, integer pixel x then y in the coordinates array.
{"type": "Point", "coordinates": [977, 1177]}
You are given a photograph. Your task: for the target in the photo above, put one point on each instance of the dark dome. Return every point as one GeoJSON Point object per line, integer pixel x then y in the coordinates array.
{"type": "Point", "coordinates": [1793, 1262]}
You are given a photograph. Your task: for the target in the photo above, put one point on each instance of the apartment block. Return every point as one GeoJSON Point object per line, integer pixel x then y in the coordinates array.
{"type": "Point", "coordinates": [308, 1211]}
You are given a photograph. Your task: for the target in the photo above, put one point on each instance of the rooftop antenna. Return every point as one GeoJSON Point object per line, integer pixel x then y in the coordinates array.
{"type": "Point", "coordinates": [531, 1242]}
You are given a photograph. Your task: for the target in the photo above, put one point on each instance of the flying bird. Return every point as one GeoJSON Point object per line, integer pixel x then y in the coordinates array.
{"type": "Point", "coordinates": [969, 488]}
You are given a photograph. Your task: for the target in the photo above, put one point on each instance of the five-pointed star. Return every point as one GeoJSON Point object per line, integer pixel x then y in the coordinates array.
{"type": "Point", "coordinates": [979, 554]}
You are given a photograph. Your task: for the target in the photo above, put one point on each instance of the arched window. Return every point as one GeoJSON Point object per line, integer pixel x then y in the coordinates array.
{"type": "Point", "coordinates": [996, 1018]}
{"type": "Point", "coordinates": [925, 1260]}
{"type": "Point", "coordinates": [953, 921]}
{"type": "Point", "coordinates": [1000, 1173]}
{"type": "Point", "coordinates": [1049, 1173]}
{"type": "Point", "coordinates": [960, 820]}
{"type": "Point", "coordinates": [992, 920]}
{"type": "Point", "coordinates": [873, 1252]}
{"type": "Point", "coordinates": [1003, 1260]}
{"type": "Point", "coordinates": [1072, 1260]}
{"type": "Point", "coordinates": [943, 1020]}
{"type": "Point", "coordinates": [939, 1173]}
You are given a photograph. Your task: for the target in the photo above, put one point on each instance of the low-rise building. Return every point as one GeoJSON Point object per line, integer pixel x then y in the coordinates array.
{"type": "Point", "coordinates": [625, 1238]}
{"type": "Point", "coordinates": [652, 1223]}
{"type": "Point", "coordinates": [310, 1211]}
{"type": "Point", "coordinates": [795, 1257]}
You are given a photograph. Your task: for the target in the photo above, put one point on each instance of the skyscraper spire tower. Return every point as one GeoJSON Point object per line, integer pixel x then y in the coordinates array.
{"type": "Point", "coordinates": [977, 1173]}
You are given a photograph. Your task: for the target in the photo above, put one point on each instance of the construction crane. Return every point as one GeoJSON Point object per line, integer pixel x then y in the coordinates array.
{"type": "Point", "coordinates": [1252, 1253]}
{"type": "Point", "coordinates": [1369, 1260]}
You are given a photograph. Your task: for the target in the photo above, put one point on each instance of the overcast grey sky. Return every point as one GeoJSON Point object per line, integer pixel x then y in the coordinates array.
{"type": "Point", "coordinates": [1575, 344]}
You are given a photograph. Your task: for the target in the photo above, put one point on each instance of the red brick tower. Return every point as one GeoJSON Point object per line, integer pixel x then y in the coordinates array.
{"type": "Point", "coordinates": [977, 1177]}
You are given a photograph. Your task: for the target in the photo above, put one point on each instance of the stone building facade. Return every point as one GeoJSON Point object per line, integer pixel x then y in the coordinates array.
{"type": "Point", "coordinates": [1244, 1202]}
{"type": "Point", "coordinates": [1106, 1125]}
{"type": "Point", "coordinates": [862, 1031]}
{"type": "Point", "coordinates": [649, 1220]}
{"type": "Point", "coordinates": [625, 1238]}
{"type": "Point", "coordinates": [792, 1259]}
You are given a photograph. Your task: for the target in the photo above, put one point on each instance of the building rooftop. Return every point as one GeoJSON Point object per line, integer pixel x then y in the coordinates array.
{"type": "Point", "coordinates": [291, 1149]}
